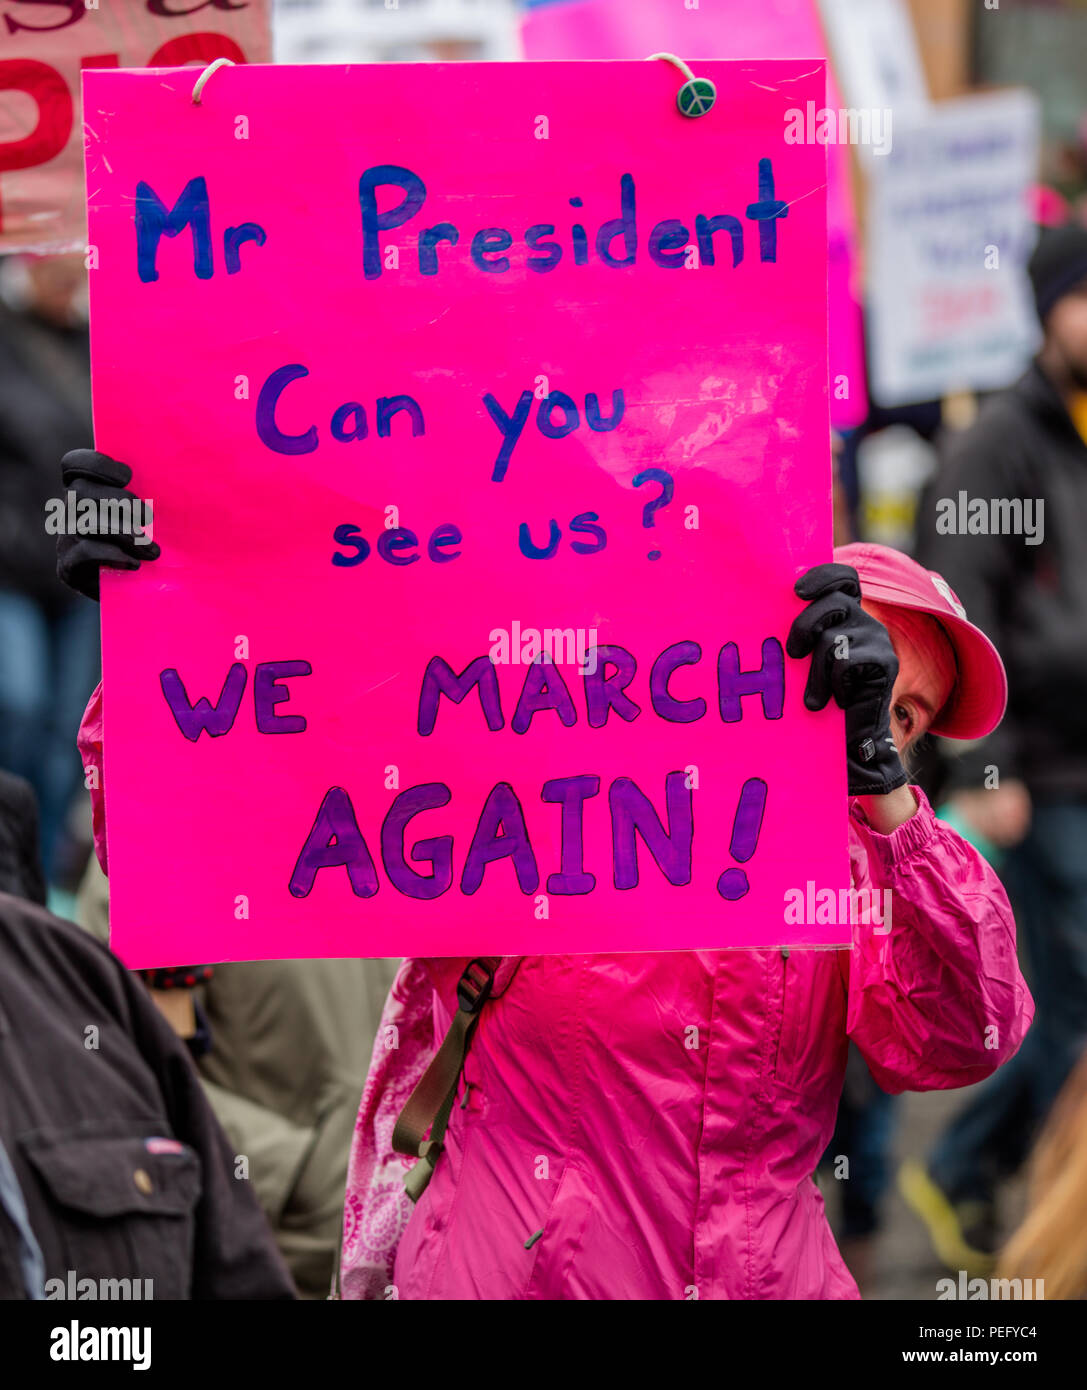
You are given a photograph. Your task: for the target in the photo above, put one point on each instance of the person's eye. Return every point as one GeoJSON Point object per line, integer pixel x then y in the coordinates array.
{"type": "Point", "coordinates": [902, 713]}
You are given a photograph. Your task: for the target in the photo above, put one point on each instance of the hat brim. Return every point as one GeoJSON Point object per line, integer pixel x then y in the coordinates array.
{"type": "Point", "coordinates": [980, 697]}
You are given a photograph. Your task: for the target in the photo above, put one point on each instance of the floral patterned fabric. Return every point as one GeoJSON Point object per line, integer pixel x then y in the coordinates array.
{"type": "Point", "coordinates": [376, 1207]}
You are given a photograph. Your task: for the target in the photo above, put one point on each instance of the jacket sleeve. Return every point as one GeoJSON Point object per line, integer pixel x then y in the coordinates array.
{"type": "Point", "coordinates": [89, 742]}
{"type": "Point", "coordinates": [234, 1255]}
{"type": "Point", "coordinates": [376, 1206]}
{"type": "Point", "coordinates": [92, 901]}
{"type": "Point", "coordinates": [935, 996]}
{"type": "Point", "coordinates": [276, 1147]}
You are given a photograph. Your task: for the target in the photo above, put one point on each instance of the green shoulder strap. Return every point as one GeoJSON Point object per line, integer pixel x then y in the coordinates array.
{"type": "Point", "coordinates": [431, 1103]}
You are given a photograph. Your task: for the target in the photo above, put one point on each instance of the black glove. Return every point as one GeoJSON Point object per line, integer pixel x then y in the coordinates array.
{"type": "Point", "coordinates": [96, 476]}
{"type": "Point", "coordinates": [860, 673]}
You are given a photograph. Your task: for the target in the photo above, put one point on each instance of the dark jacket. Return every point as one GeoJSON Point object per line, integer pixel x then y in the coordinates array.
{"type": "Point", "coordinates": [45, 410]}
{"type": "Point", "coordinates": [21, 871]}
{"type": "Point", "coordinates": [290, 1046]}
{"type": "Point", "coordinates": [1031, 600]}
{"type": "Point", "coordinates": [123, 1169]}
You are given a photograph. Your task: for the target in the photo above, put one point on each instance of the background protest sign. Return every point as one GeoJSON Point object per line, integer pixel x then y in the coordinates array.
{"type": "Point", "coordinates": [876, 55]}
{"type": "Point", "coordinates": [771, 29]}
{"type": "Point", "coordinates": [43, 46]}
{"type": "Point", "coordinates": [950, 231]}
{"type": "Point", "coordinates": [419, 365]}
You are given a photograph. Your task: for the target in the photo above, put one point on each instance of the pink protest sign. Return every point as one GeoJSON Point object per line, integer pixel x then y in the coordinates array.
{"type": "Point", "coordinates": [735, 29]}
{"type": "Point", "coordinates": [483, 411]}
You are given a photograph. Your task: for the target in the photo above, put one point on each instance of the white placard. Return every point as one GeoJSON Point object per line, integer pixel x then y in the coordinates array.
{"type": "Point", "coordinates": [949, 235]}
{"type": "Point", "coordinates": [876, 57]}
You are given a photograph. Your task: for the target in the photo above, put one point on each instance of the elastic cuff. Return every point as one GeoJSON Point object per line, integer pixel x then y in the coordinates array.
{"type": "Point", "coordinates": [893, 850]}
{"type": "Point", "coordinates": [882, 787]}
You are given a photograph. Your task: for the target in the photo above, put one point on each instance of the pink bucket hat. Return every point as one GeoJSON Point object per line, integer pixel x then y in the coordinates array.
{"type": "Point", "coordinates": [976, 705]}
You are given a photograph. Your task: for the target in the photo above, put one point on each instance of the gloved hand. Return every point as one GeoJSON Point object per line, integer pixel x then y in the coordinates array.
{"type": "Point", "coordinates": [859, 672]}
{"type": "Point", "coordinates": [96, 476]}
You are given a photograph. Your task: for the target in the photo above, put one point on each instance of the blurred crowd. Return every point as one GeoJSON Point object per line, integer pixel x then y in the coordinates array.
{"type": "Point", "coordinates": [1019, 795]}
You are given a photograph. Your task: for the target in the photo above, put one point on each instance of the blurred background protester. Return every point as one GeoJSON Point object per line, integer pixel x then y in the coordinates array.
{"type": "Point", "coordinates": [283, 1050]}
{"type": "Point", "coordinates": [1024, 788]}
{"type": "Point", "coordinates": [20, 853]}
{"type": "Point", "coordinates": [49, 642]}
{"type": "Point", "coordinates": [112, 1165]}
{"type": "Point", "coordinates": [1051, 1242]}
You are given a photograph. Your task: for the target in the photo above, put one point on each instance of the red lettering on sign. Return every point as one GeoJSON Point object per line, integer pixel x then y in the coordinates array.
{"type": "Point", "coordinates": [188, 48]}
{"type": "Point", "coordinates": [76, 8]}
{"type": "Point", "coordinates": [54, 102]}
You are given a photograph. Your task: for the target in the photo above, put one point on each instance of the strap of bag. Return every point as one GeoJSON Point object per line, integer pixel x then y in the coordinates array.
{"type": "Point", "coordinates": [431, 1103]}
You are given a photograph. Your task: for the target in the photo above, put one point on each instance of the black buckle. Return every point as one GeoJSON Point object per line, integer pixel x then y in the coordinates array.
{"type": "Point", "coordinates": [473, 992]}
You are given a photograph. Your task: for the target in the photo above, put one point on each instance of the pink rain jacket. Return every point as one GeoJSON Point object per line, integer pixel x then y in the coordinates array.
{"type": "Point", "coordinates": [659, 1117]}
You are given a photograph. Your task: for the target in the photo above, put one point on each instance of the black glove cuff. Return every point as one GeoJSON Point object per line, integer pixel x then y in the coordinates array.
{"type": "Point", "coordinates": [879, 788]}
{"type": "Point", "coordinates": [874, 770]}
